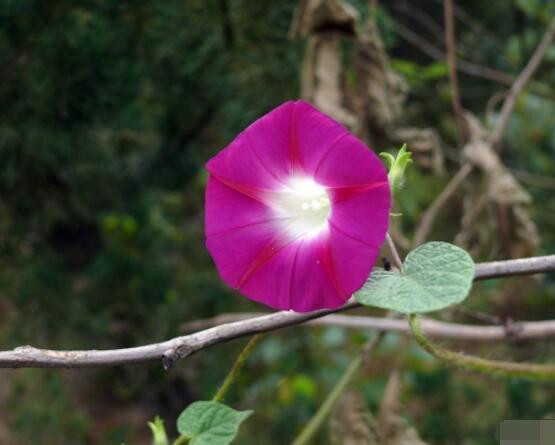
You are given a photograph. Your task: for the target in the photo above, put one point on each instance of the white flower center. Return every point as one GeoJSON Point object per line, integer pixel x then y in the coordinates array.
{"type": "Point", "coordinates": [305, 205]}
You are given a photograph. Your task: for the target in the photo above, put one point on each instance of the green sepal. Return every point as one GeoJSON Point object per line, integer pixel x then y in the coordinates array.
{"type": "Point", "coordinates": [397, 166]}
{"type": "Point", "coordinates": [159, 436]}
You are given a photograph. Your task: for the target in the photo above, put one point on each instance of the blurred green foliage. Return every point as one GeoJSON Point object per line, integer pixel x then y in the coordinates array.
{"type": "Point", "coordinates": [108, 111]}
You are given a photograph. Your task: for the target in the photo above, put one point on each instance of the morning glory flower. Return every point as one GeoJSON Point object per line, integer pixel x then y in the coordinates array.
{"type": "Point", "coordinates": [296, 210]}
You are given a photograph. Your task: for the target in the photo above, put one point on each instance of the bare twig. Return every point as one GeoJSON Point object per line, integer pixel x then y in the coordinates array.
{"type": "Point", "coordinates": [533, 179]}
{"type": "Point", "coordinates": [168, 351]}
{"type": "Point", "coordinates": [476, 26]}
{"type": "Point", "coordinates": [373, 7]}
{"type": "Point", "coordinates": [435, 53]}
{"type": "Point", "coordinates": [482, 317]}
{"type": "Point", "coordinates": [419, 15]}
{"type": "Point", "coordinates": [519, 84]}
{"type": "Point", "coordinates": [521, 330]}
{"type": "Point", "coordinates": [429, 216]}
{"type": "Point", "coordinates": [526, 177]}
{"type": "Point", "coordinates": [492, 103]}
{"type": "Point", "coordinates": [522, 266]}
{"type": "Point", "coordinates": [180, 347]}
{"type": "Point", "coordinates": [450, 44]}
{"type": "Point", "coordinates": [463, 66]}
{"type": "Point", "coordinates": [397, 261]}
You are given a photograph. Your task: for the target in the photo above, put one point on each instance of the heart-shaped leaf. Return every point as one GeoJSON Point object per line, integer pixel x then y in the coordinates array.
{"type": "Point", "coordinates": [210, 423]}
{"type": "Point", "coordinates": [435, 275]}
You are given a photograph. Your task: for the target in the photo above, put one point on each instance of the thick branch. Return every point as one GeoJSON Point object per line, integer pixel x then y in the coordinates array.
{"type": "Point", "coordinates": [520, 83]}
{"type": "Point", "coordinates": [180, 347]}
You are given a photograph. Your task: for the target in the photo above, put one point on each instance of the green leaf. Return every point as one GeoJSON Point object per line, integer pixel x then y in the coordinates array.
{"type": "Point", "coordinates": [210, 423]}
{"type": "Point", "coordinates": [435, 275]}
{"type": "Point", "coordinates": [159, 436]}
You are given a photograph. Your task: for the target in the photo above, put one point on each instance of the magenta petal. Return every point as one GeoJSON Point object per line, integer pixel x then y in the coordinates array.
{"type": "Point", "coordinates": [226, 209]}
{"type": "Point", "coordinates": [239, 166]}
{"type": "Point", "coordinates": [329, 153]}
{"type": "Point", "coordinates": [296, 278]}
{"type": "Point", "coordinates": [314, 134]}
{"type": "Point", "coordinates": [271, 284]}
{"type": "Point", "coordinates": [270, 138]}
{"type": "Point", "coordinates": [234, 251]}
{"type": "Point", "coordinates": [363, 216]}
{"type": "Point", "coordinates": [260, 156]}
{"type": "Point", "coordinates": [237, 229]}
{"type": "Point", "coordinates": [350, 163]}
{"type": "Point", "coordinates": [352, 259]}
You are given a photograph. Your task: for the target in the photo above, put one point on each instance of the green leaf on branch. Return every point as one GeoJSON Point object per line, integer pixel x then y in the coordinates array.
{"type": "Point", "coordinates": [159, 436]}
{"type": "Point", "coordinates": [434, 276]}
{"type": "Point", "coordinates": [210, 423]}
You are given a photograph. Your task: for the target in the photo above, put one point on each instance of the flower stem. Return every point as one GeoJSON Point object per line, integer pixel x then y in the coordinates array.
{"type": "Point", "coordinates": [490, 367]}
{"type": "Point", "coordinates": [323, 412]}
{"type": "Point", "coordinates": [314, 425]}
{"type": "Point", "coordinates": [230, 377]}
{"type": "Point", "coordinates": [181, 440]}
{"type": "Point", "coordinates": [397, 261]}
{"type": "Point", "coordinates": [237, 366]}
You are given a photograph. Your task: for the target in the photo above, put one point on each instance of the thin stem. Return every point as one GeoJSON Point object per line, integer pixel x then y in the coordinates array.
{"type": "Point", "coordinates": [237, 366]}
{"type": "Point", "coordinates": [450, 43]}
{"type": "Point", "coordinates": [181, 440]}
{"type": "Point", "coordinates": [321, 415]}
{"type": "Point", "coordinates": [394, 253]}
{"type": "Point", "coordinates": [489, 367]}
{"type": "Point", "coordinates": [373, 7]}
{"type": "Point", "coordinates": [520, 83]}
{"type": "Point", "coordinates": [325, 409]}
{"type": "Point", "coordinates": [230, 377]}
